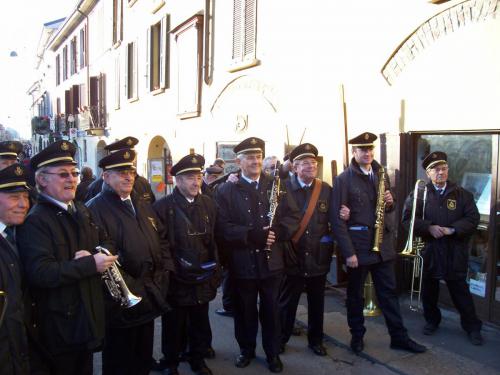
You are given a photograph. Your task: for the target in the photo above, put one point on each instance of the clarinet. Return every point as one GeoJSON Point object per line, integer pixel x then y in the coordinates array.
{"type": "Point", "coordinates": [273, 202]}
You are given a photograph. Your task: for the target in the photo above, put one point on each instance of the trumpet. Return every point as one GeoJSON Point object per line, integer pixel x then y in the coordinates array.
{"type": "Point", "coordinates": [113, 280]}
{"type": "Point", "coordinates": [414, 246]}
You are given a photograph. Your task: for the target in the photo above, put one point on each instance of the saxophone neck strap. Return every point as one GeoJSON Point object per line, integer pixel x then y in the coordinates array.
{"type": "Point", "coordinates": [309, 211]}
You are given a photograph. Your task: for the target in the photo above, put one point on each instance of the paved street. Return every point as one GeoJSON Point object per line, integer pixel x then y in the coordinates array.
{"type": "Point", "coordinates": [450, 351]}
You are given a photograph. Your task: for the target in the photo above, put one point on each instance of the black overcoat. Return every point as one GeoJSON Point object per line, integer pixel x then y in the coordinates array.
{"type": "Point", "coordinates": [67, 311]}
{"type": "Point", "coordinates": [446, 257]}
{"type": "Point", "coordinates": [354, 189]}
{"type": "Point", "coordinates": [143, 253]}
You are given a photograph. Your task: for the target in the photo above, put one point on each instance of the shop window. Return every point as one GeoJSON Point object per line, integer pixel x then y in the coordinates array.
{"type": "Point", "coordinates": [470, 166]}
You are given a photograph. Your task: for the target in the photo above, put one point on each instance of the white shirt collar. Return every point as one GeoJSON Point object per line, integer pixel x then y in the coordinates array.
{"type": "Point", "coordinates": [366, 172]}
{"type": "Point", "coordinates": [442, 188]}
{"type": "Point", "coordinates": [302, 183]}
{"type": "Point", "coordinates": [2, 228]}
{"type": "Point", "coordinates": [63, 205]}
{"type": "Point", "coordinates": [124, 199]}
{"type": "Point", "coordinates": [250, 180]}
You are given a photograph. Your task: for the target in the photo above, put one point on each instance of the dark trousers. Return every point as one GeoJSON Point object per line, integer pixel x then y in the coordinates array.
{"type": "Point", "coordinates": [246, 314]}
{"type": "Point", "coordinates": [227, 291]}
{"type": "Point", "coordinates": [385, 288]}
{"type": "Point", "coordinates": [175, 323]}
{"type": "Point", "coordinates": [461, 297]}
{"type": "Point", "coordinates": [128, 350]}
{"type": "Point", "coordinates": [78, 363]}
{"type": "Point", "coordinates": [292, 288]}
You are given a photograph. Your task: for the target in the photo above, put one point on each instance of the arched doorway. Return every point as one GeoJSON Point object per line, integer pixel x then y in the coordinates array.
{"type": "Point", "coordinates": [99, 154]}
{"type": "Point", "coordinates": [159, 164]}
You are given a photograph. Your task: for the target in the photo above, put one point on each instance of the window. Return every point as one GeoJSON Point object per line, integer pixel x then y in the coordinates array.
{"type": "Point", "coordinates": [157, 56]}
{"type": "Point", "coordinates": [117, 21]}
{"type": "Point", "coordinates": [83, 48]}
{"type": "Point", "coordinates": [98, 101]}
{"type": "Point", "coordinates": [244, 34]}
{"type": "Point", "coordinates": [65, 63]}
{"type": "Point", "coordinates": [132, 76]}
{"type": "Point", "coordinates": [72, 54]}
{"type": "Point", "coordinates": [58, 70]}
{"type": "Point", "coordinates": [188, 38]}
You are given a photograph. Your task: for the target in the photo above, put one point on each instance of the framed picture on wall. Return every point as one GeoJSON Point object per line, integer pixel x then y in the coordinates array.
{"type": "Point", "coordinates": [225, 152]}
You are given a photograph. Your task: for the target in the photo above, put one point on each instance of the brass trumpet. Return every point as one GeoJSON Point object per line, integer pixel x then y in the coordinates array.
{"type": "Point", "coordinates": [414, 246]}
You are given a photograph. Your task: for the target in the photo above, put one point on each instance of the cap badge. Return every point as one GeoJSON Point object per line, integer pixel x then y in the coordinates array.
{"type": "Point", "coordinates": [11, 146]}
{"type": "Point", "coordinates": [307, 147]}
{"type": "Point", "coordinates": [126, 155]}
{"type": "Point", "coordinates": [367, 136]}
{"type": "Point", "coordinates": [253, 141]}
{"type": "Point", "coordinates": [64, 146]}
{"type": "Point", "coordinates": [129, 141]}
{"type": "Point", "coordinates": [434, 156]}
{"type": "Point", "coordinates": [194, 160]}
{"type": "Point", "coordinates": [18, 171]}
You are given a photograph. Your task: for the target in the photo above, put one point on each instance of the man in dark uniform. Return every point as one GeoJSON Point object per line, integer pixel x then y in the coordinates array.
{"type": "Point", "coordinates": [87, 177]}
{"type": "Point", "coordinates": [244, 227]}
{"type": "Point", "coordinates": [142, 188]}
{"type": "Point", "coordinates": [14, 205]}
{"type": "Point", "coordinates": [146, 262]}
{"type": "Point", "coordinates": [450, 219]}
{"type": "Point", "coordinates": [190, 218]}
{"type": "Point", "coordinates": [357, 188]}
{"type": "Point", "coordinates": [56, 242]}
{"type": "Point", "coordinates": [309, 256]}
{"type": "Point", "coordinates": [9, 151]}
{"type": "Point", "coordinates": [211, 174]}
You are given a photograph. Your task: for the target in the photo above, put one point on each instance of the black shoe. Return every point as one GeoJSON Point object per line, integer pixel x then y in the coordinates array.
{"type": "Point", "coordinates": [357, 345]}
{"type": "Point", "coordinates": [159, 365]}
{"type": "Point", "coordinates": [476, 338]}
{"type": "Point", "coordinates": [408, 345]}
{"type": "Point", "coordinates": [275, 364]}
{"type": "Point", "coordinates": [224, 312]}
{"type": "Point", "coordinates": [318, 349]}
{"type": "Point", "coordinates": [209, 353]}
{"type": "Point", "coordinates": [171, 371]}
{"type": "Point", "coordinates": [201, 368]}
{"type": "Point", "coordinates": [282, 349]}
{"type": "Point", "coordinates": [183, 357]}
{"type": "Point", "coordinates": [429, 329]}
{"type": "Point", "coordinates": [243, 360]}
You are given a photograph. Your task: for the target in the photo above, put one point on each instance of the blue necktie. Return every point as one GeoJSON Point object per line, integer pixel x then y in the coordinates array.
{"type": "Point", "coordinates": [440, 191]}
{"type": "Point", "coordinates": [9, 231]}
{"type": "Point", "coordinates": [255, 185]}
{"type": "Point", "coordinates": [129, 205]}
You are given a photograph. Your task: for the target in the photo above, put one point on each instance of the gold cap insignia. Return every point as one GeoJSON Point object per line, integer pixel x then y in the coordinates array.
{"type": "Point", "coordinates": [253, 141]}
{"type": "Point", "coordinates": [367, 136]}
{"type": "Point", "coordinates": [18, 171]}
{"type": "Point", "coordinates": [126, 155]}
{"type": "Point", "coordinates": [307, 147]}
{"type": "Point", "coordinates": [434, 156]}
{"type": "Point", "coordinates": [194, 160]}
{"type": "Point", "coordinates": [11, 146]}
{"type": "Point", "coordinates": [129, 141]}
{"type": "Point", "coordinates": [64, 146]}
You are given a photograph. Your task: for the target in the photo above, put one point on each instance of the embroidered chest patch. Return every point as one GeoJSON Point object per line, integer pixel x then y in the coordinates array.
{"type": "Point", "coordinates": [451, 204]}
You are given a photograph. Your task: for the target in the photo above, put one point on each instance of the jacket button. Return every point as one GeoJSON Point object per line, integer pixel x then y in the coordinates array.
{"type": "Point", "coordinates": [307, 253]}
{"type": "Point", "coordinates": [248, 210]}
{"type": "Point", "coordinates": [33, 304]}
{"type": "Point", "coordinates": [307, 232]}
{"type": "Point", "coordinates": [261, 216]}
{"type": "Point", "coordinates": [305, 273]}
{"type": "Point", "coordinates": [34, 325]}
{"type": "Point", "coordinates": [257, 251]}
{"type": "Point", "coordinates": [260, 203]}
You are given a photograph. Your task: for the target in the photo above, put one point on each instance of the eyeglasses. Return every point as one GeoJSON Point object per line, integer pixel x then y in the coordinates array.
{"type": "Point", "coordinates": [440, 169]}
{"type": "Point", "coordinates": [309, 163]}
{"type": "Point", "coordinates": [126, 172]}
{"type": "Point", "coordinates": [65, 174]}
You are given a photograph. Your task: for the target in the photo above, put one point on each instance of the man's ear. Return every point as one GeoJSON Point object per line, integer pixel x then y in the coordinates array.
{"type": "Point", "coordinates": [238, 161]}
{"type": "Point", "coordinates": [41, 180]}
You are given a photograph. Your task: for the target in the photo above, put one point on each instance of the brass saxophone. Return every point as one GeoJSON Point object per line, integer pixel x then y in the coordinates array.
{"type": "Point", "coordinates": [273, 202]}
{"type": "Point", "coordinates": [113, 280]}
{"type": "Point", "coordinates": [379, 212]}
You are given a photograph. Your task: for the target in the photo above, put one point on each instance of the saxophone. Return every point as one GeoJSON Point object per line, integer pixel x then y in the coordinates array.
{"type": "Point", "coordinates": [273, 202]}
{"type": "Point", "coordinates": [116, 285]}
{"type": "Point", "coordinates": [379, 212]}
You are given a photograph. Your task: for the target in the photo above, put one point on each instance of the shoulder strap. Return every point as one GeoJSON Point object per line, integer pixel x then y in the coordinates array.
{"type": "Point", "coordinates": [309, 211]}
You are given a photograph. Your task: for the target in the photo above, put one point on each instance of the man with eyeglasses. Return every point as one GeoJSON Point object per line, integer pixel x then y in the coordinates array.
{"type": "Point", "coordinates": [190, 218]}
{"type": "Point", "coordinates": [309, 256]}
{"type": "Point", "coordinates": [257, 273]}
{"type": "Point", "coordinates": [14, 205]}
{"type": "Point", "coordinates": [357, 189]}
{"type": "Point", "coordinates": [56, 246]}
{"type": "Point", "coordinates": [144, 255]}
{"type": "Point", "coordinates": [449, 221]}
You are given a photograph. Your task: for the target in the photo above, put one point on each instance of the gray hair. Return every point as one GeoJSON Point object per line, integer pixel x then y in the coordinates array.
{"type": "Point", "coordinates": [40, 171]}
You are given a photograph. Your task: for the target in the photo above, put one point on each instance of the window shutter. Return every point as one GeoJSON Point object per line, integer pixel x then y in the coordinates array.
{"type": "Point", "coordinates": [237, 29]}
{"type": "Point", "coordinates": [93, 101]}
{"type": "Point", "coordinates": [125, 72]}
{"type": "Point", "coordinates": [250, 29]}
{"type": "Point", "coordinates": [117, 82]}
{"type": "Point", "coordinates": [163, 51]}
{"type": "Point", "coordinates": [149, 40]}
{"type": "Point", "coordinates": [135, 49]}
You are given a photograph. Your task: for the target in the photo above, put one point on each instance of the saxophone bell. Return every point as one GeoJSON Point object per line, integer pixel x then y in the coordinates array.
{"type": "Point", "coordinates": [117, 288]}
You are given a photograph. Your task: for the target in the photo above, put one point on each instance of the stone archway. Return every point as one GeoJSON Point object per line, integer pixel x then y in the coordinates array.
{"type": "Point", "coordinates": [159, 164]}
{"type": "Point", "coordinates": [100, 152]}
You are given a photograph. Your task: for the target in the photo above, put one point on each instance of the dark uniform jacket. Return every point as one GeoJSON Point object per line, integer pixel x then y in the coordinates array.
{"type": "Point", "coordinates": [191, 237]}
{"type": "Point", "coordinates": [142, 252]}
{"type": "Point", "coordinates": [242, 213]}
{"type": "Point", "coordinates": [446, 257]}
{"type": "Point", "coordinates": [13, 341]}
{"type": "Point", "coordinates": [313, 252]}
{"type": "Point", "coordinates": [82, 188]}
{"type": "Point", "coordinates": [67, 312]}
{"type": "Point", "coordinates": [142, 189]}
{"type": "Point", "coordinates": [355, 237]}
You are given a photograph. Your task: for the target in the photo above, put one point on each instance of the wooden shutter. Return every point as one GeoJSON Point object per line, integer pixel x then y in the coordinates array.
{"type": "Point", "coordinates": [149, 40]}
{"type": "Point", "coordinates": [125, 72]}
{"type": "Point", "coordinates": [94, 101]}
{"type": "Point", "coordinates": [135, 50]}
{"type": "Point", "coordinates": [237, 29]}
{"type": "Point", "coordinates": [163, 51]}
{"type": "Point", "coordinates": [250, 29]}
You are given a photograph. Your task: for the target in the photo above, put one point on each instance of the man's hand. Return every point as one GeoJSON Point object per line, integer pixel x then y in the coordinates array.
{"type": "Point", "coordinates": [448, 231]}
{"type": "Point", "coordinates": [81, 254]}
{"type": "Point", "coordinates": [389, 200]}
{"type": "Point", "coordinates": [103, 261]}
{"type": "Point", "coordinates": [233, 177]}
{"type": "Point", "coordinates": [352, 261]}
{"type": "Point", "coordinates": [437, 231]}
{"type": "Point", "coordinates": [344, 213]}
{"type": "Point", "coordinates": [271, 237]}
